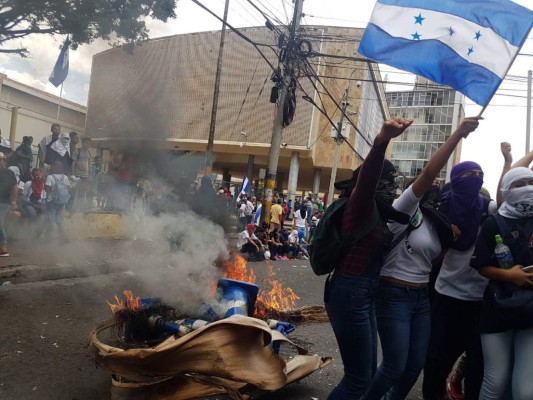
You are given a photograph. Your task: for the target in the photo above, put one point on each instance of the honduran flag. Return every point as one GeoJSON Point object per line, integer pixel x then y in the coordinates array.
{"type": "Point", "coordinates": [466, 44]}
{"type": "Point", "coordinates": [60, 71]}
{"type": "Point", "coordinates": [245, 185]}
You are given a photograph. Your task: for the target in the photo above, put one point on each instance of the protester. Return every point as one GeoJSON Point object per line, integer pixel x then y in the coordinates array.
{"type": "Point", "coordinates": [299, 222]}
{"type": "Point", "coordinates": [97, 173]}
{"type": "Point", "coordinates": [350, 293]}
{"type": "Point", "coordinates": [24, 155]}
{"type": "Point", "coordinates": [507, 335]}
{"type": "Point", "coordinates": [57, 188]}
{"type": "Point", "coordinates": [459, 288]}
{"type": "Point", "coordinates": [248, 243]}
{"type": "Point", "coordinates": [402, 306]}
{"type": "Point", "coordinates": [81, 169]}
{"type": "Point", "coordinates": [8, 200]}
{"type": "Point", "coordinates": [74, 140]}
{"type": "Point", "coordinates": [59, 150]}
{"type": "Point", "coordinates": [275, 215]}
{"type": "Point", "coordinates": [284, 214]}
{"type": "Point", "coordinates": [47, 140]}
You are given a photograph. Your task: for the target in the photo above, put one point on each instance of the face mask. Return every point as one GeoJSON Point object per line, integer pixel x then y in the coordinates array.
{"type": "Point", "coordinates": [468, 185]}
{"type": "Point", "coordinates": [387, 190]}
{"type": "Point", "coordinates": [518, 202]}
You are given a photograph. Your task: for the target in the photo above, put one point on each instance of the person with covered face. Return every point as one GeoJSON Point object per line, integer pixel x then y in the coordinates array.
{"type": "Point", "coordinates": [402, 306]}
{"type": "Point", "coordinates": [59, 150]}
{"type": "Point", "coordinates": [46, 141]}
{"type": "Point", "coordinates": [459, 288]}
{"type": "Point", "coordinates": [350, 293]}
{"type": "Point", "coordinates": [507, 334]}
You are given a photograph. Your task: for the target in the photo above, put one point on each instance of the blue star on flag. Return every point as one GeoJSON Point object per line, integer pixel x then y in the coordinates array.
{"type": "Point", "coordinates": [478, 35]}
{"type": "Point", "coordinates": [470, 50]}
{"type": "Point", "coordinates": [419, 19]}
{"type": "Point", "coordinates": [451, 32]}
{"type": "Point", "coordinates": [416, 36]}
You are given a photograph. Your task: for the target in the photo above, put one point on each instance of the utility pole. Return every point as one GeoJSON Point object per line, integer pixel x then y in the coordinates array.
{"type": "Point", "coordinates": [338, 139]}
{"type": "Point", "coordinates": [211, 139]}
{"type": "Point", "coordinates": [528, 112]}
{"type": "Point", "coordinates": [277, 128]}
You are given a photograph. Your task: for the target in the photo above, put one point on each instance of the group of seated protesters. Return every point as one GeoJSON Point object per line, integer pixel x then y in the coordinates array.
{"type": "Point", "coordinates": [272, 244]}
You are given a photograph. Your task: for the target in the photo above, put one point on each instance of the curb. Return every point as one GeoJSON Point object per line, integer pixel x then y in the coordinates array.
{"type": "Point", "coordinates": [33, 273]}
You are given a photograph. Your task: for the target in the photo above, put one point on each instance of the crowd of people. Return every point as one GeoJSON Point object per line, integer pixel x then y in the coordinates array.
{"type": "Point", "coordinates": [275, 240]}
{"type": "Point", "coordinates": [420, 279]}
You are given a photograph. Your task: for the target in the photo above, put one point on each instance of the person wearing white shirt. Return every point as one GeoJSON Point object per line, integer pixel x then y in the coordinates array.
{"type": "Point", "coordinates": [247, 242]}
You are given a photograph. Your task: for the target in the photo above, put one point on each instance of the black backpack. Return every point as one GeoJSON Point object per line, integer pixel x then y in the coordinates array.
{"type": "Point", "coordinates": [328, 246]}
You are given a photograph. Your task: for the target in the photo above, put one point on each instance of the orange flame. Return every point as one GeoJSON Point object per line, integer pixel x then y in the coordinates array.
{"type": "Point", "coordinates": [131, 303]}
{"type": "Point", "coordinates": [275, 299]}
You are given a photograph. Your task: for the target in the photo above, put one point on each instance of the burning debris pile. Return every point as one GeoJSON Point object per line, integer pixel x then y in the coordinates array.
{"type": "Point", "coordinates": [156, 352]}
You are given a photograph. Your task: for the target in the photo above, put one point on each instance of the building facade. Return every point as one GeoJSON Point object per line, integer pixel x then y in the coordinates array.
{"type": "Point", "coordinates": [160, 97]}
{"type": "Point", "coordinates": [27, 111]}
{"type": "Point", "coordinates": [436, 111]}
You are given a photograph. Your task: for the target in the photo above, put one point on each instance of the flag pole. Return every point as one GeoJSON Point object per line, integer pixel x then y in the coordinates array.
{"type": "Point", "coordinates": [59, 104]}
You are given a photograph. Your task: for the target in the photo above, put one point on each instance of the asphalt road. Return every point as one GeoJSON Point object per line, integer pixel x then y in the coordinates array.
{"type": "Point", "coordinates": [45, 327]}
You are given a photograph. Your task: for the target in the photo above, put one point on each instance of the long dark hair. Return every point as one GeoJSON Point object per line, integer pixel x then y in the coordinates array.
{"type": "Point", "coordinates": [303, 211]}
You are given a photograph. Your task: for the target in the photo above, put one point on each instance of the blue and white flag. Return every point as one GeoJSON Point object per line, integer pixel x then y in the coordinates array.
{"type": "Point", "coordinates": [466, 44]}
{"type": "Point", "coordinates": [245, 185]}
{"type": "Point", "coordinates": [60, 71]}
{"type": "Point", "coordinates": [257, 216]}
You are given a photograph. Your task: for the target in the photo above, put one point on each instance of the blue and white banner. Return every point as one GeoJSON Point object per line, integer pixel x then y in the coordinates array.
{"type": "Point", "coordinates": [60, 71]}
{"type": "Point", "coordinates": [466, 44]}
{"type": "Point", "coordinates": [257, 216]}
{"type": "Point", "coordinates": [245, 185]}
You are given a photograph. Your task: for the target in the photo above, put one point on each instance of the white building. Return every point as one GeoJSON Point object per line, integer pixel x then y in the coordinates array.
{"type": "Point", "coordinates": [27, 111]}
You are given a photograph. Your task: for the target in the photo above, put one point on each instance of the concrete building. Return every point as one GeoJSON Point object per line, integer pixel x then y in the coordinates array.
{"type": "Point", "coordinates": [436, 111]}
{"type": "Point", "coordinates": [160, 97]}
{"type": "Point", "coordinates": [27, 111]}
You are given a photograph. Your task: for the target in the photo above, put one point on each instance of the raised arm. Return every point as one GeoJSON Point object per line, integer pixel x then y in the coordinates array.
{"type": "Point", "coordinates": [362, 198]}
{"type": "Point", "coordinates": [439, 159]}
{"type": "Point", "coordinates": [508, 160]}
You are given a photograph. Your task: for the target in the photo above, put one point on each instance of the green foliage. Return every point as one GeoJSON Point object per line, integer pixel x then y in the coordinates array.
{"type": "Point", "coordinates": [118, 21]}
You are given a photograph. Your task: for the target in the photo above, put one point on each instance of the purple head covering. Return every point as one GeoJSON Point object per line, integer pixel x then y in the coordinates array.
{"type": "Point", "coordinates": [465, 204]}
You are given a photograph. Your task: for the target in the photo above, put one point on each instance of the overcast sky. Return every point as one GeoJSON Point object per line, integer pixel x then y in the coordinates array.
{"type": "Point", "coordinates": [505, 118]}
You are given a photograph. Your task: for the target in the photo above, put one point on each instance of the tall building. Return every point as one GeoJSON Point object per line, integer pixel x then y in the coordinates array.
{"type": "Point", "coordinates": [436, 111]}
{"type": "Point", "coordinates": [160, 96]}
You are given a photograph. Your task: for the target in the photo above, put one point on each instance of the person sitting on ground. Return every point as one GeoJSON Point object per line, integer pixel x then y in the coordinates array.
{"type": "Point", "coordinates": [247, 242]}
{"type": "Point", "coordinates": [275, 246]}
{"type": "Point", "coordinates": [34, 202]}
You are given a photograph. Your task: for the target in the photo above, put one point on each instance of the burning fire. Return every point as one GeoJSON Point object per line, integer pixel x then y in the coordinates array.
{"type": "Point", "coordinates": [131, 303]}
{"type": "Point", "coordinates": [276, 299]}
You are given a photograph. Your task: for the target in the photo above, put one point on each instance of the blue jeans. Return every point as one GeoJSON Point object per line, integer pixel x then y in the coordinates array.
{"type": "Point", "coordinates": [508, 360]}
{"type": "Point", "coordinates": [4, 209]}
{"type": "Point", "coordinates": [404, 325]}
{"type": "Point", "coordinates": [56, 213]}
{"type": "Point", "coordinates": [350, 308]}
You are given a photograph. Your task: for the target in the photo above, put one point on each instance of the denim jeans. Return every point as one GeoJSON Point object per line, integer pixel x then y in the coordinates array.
{"type": "Point", "coordinates": [508, 360]}
{"type": "Point", "coordinates": [404, 325]}
{"type": "Point", "coordinates": [4, 209]}
{"type": "Point", "coordinates": [56, 213]}
{"type": "Point", "coordinates": [350, 308]}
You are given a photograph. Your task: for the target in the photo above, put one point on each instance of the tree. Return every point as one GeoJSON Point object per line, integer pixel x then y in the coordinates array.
{"type": "Point", "coordinates": [118, 21]}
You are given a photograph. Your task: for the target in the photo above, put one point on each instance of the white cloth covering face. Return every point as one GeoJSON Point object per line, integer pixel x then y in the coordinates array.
{"type": "Point", "coordinates": [518, 201]}
{"type": "Point", "coordinates": [60, 146]}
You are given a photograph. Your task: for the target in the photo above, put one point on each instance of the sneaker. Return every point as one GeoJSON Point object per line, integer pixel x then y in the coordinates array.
{"type": "Point", "coordinates": [285, 258]}
{"type": "Point", "coordinates": [305, 258]}
{"type": "Point", "coordinates": [4, 254]}
{"type": "Point", "coordinates": [454, 389]}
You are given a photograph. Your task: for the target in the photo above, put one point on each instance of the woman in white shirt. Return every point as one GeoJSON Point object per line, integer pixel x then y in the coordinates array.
{"type": "Point", "coordinates": [402, 305]}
